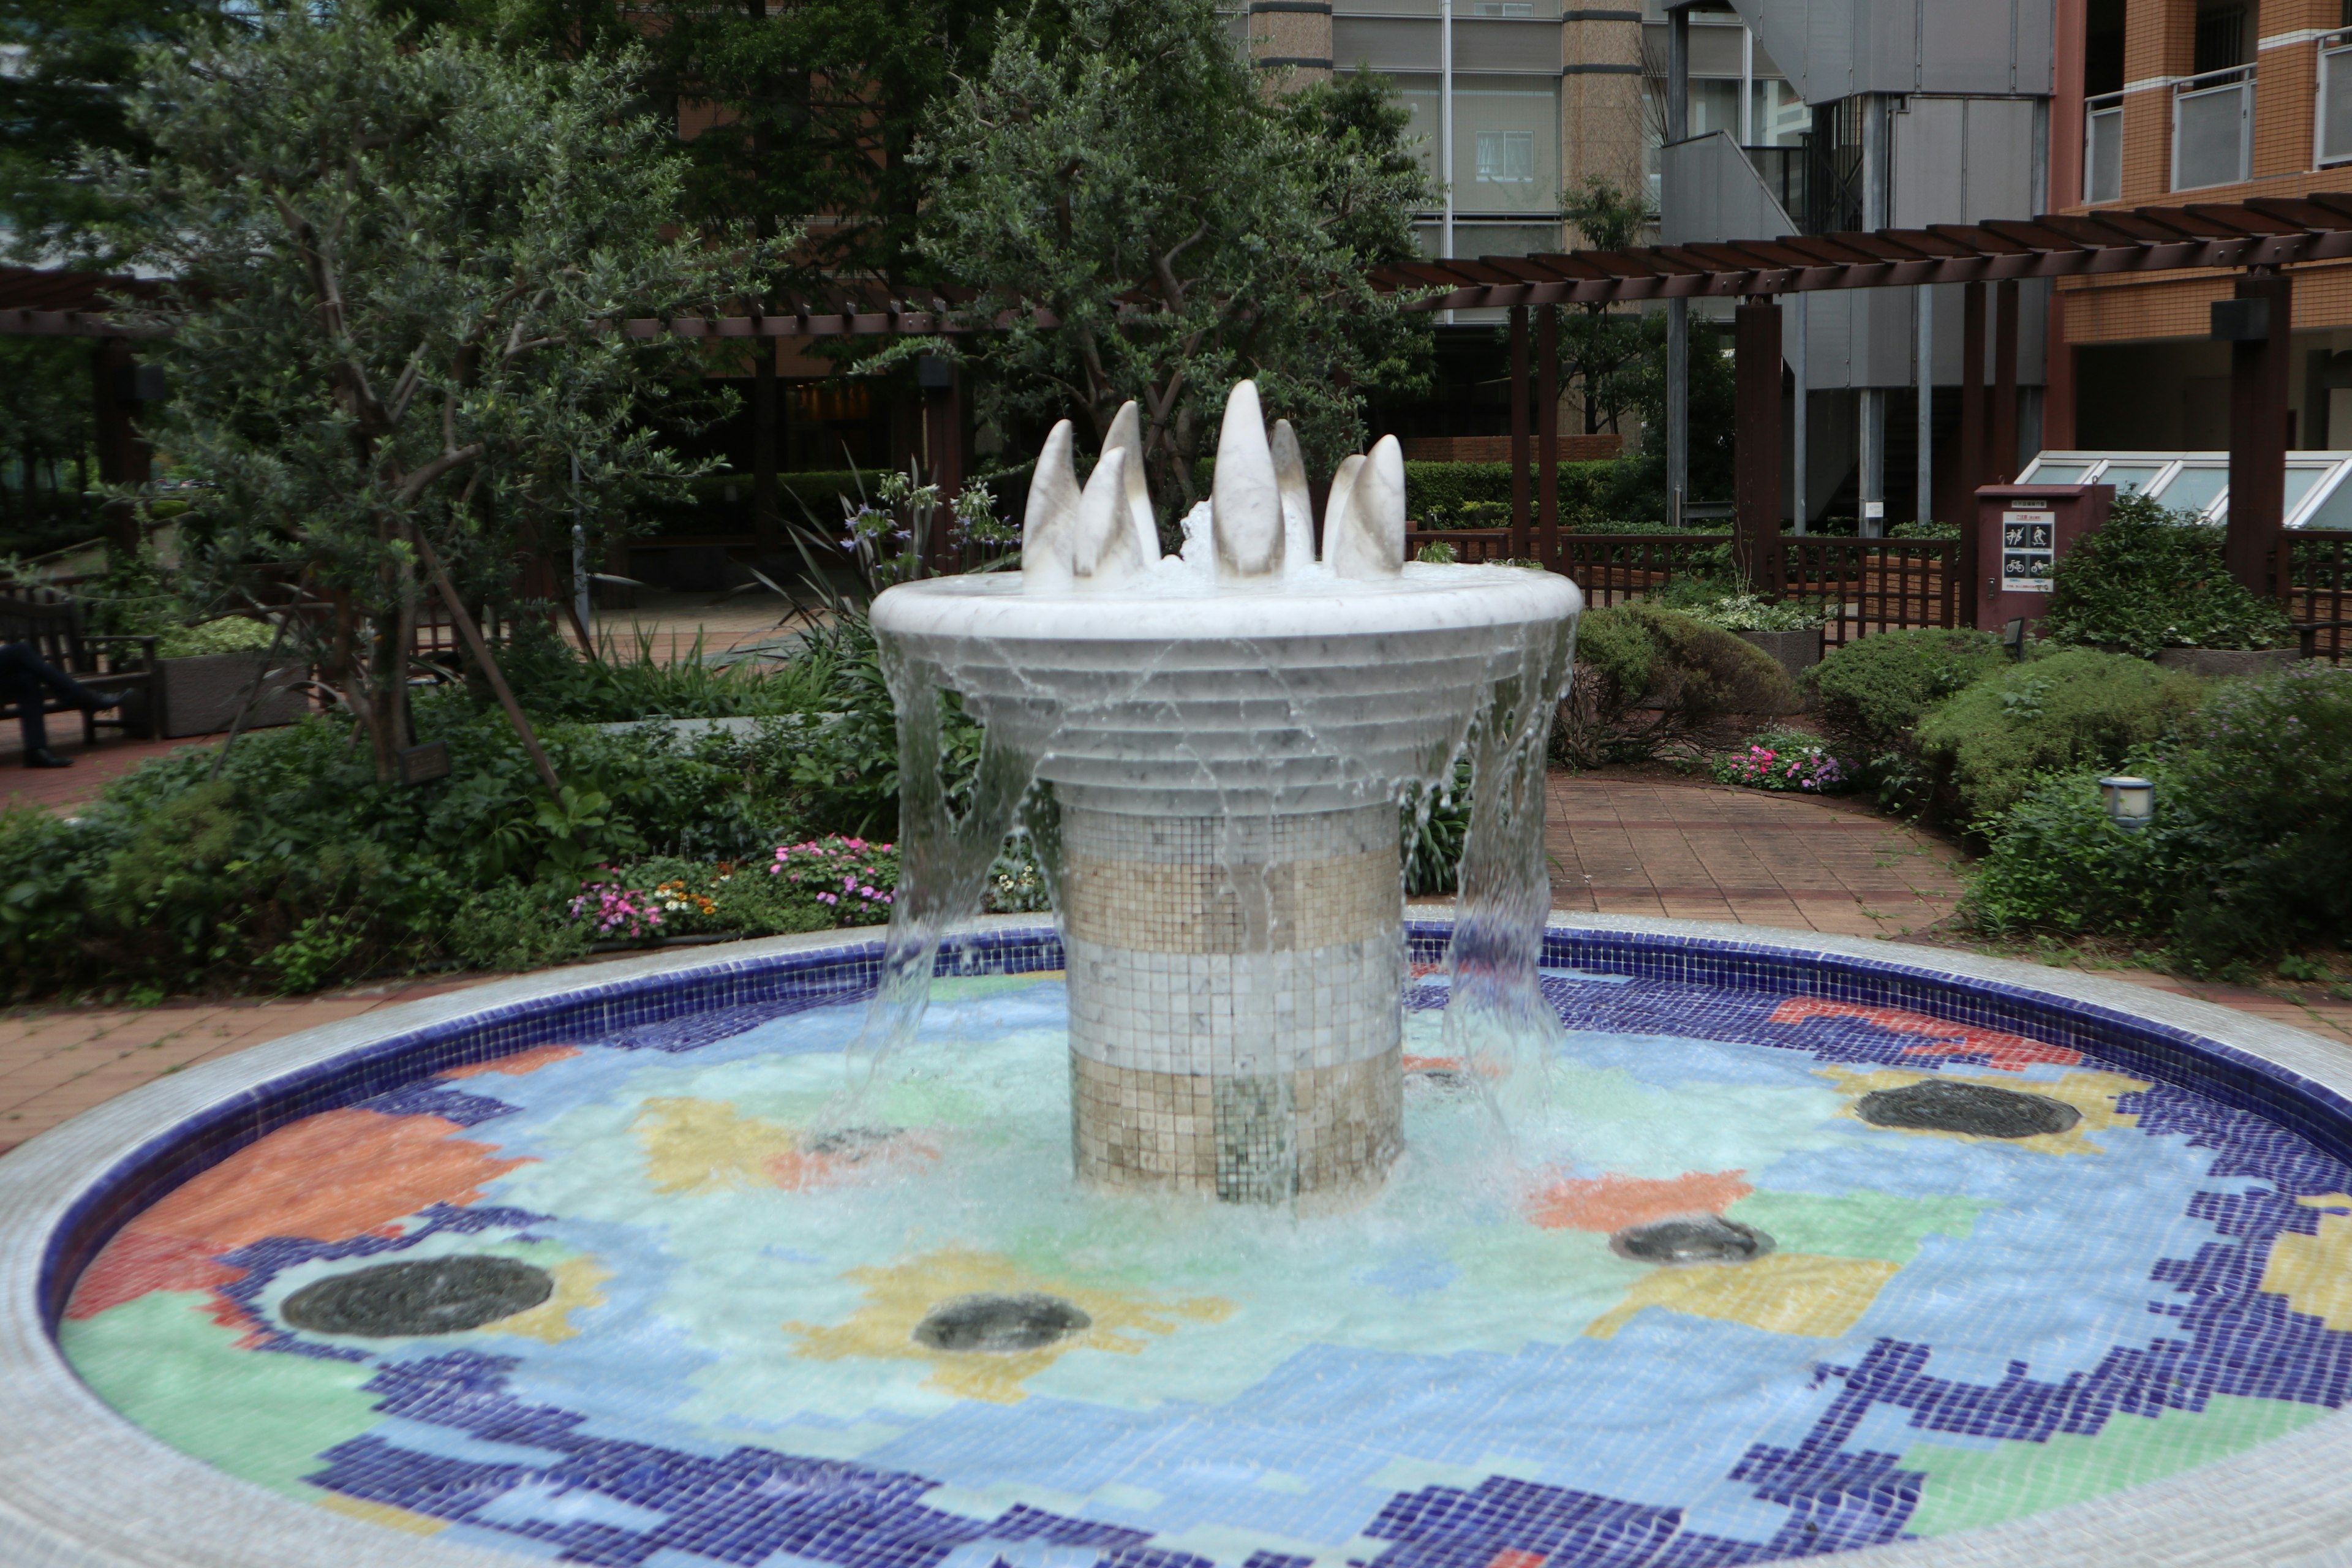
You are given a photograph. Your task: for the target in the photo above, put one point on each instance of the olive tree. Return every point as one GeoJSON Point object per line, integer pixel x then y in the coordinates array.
{"type": "Point", "coordinates": [397, 265]}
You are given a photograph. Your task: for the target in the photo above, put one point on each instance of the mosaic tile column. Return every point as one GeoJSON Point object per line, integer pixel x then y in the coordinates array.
{"type": "Point", "coordinates": [1235, 1024]}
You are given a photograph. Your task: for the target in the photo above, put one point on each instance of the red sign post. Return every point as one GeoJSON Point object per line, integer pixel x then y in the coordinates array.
{"type": "Point", "coordinates": [2022, 533]}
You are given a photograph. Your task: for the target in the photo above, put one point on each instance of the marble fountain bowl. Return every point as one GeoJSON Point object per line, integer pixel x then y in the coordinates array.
{"type": "Point", "coordinates": [1824, 1245]}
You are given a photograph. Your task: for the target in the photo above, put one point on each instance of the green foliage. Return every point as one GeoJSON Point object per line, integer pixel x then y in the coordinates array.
{"type": "Point", "coordinates": [1729, 603]}
{"type": "Point", "coordinates": [230, 633]}
{"type": "Point", "coordinates": [2151, 579]}
{"type": "Point", "coordinates": [1440, 492]}
{"type": "Point", "coordinates": [1119, 164]}
{"type": "Point", "coordinates": [1875, 690]}
{"type": "Point", "coordinates": [2057, 862]}
{"type": "Point", "coordinates": [2249, 853]}
{"type": "Point", "coordinates": [1436, 826]}
{"type": "Point", "coordinates": [1988, 742]}
{"type": "Point", "coordinates": [621, 686]}
{"type": "Point", "coordinates": [1650, 680]}
{"type": "Point", "coordinates": [390, 260]}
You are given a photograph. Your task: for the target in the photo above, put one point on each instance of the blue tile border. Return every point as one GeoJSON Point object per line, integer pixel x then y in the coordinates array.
{"type": "Point", "coordinates": [845, 971]}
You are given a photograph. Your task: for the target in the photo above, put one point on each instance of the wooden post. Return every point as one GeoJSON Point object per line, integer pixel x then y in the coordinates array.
{"type": "Point", "coordinates": [766, 495]}
{"type": "Point", "coordinates": [122, 457]}
{"type": "Point", "coordinates": [942, 450]}
{"type": "Point", "coordinates": [2259, 337]}
{"type": "Point", "coordinates": [1968, 452]}
{"type": "Point", "coordinates": [1547, 435]}
{"type": "Point", "coordinates": [1520, 545]}
{"type": "Point", "coordinates": [1755, 374]}
{"type": "Point", "coordinates": [2000, 462]}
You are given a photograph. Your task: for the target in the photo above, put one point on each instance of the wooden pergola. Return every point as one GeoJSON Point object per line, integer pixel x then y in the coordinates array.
{"type": "Point", "coordinates": [2260, 239]}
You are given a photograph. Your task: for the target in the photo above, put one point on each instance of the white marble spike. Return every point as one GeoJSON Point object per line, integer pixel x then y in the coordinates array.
{"type": "Point", "coordinates": [1127, 431]}
{"type": "Point", "coordinates": [1335, 505]}
{"type": "Point", "coordinates": [1244, 499]}
{"type": "Point", "coordinates": [1371, 540]}
{"type": "Point", "coordinates": [1107, 553]}
{"type": "Point", "coordinates": [1297, 505]}
{"type": "Point", "coordinates": [1048, 526]}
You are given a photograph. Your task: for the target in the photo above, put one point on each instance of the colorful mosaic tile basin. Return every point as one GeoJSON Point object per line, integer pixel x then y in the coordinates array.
{"type": "Point", "coordinates": [641, 1288]}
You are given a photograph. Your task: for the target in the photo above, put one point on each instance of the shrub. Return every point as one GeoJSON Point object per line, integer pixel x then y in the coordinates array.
{"type": "Point", "coordinates": [1988, 742]}
{"type": "Point", "coordinates": [849, 877]}
{"type": "Point", "coordinates": [233, 634]}
{"type": "Point", "coordinates": [1730, 605]}
{"type": "Point", "coordinates": [1875, 690]}
{"type": "Point", "coordinates": [2057, 861]}
{"type": "Point", "coordinates": [1440, 491]}
{"type": "Point", "coordinates": [2151, 579]}
{"type": "Point", "coordinates": [2249, 852]}
{"type": "Point", "coordinates": [2260, 818]}
{"type": "Point", "coordinates": [1649, 681]}
{"type": "Point", "coordinates": [1783, 760]}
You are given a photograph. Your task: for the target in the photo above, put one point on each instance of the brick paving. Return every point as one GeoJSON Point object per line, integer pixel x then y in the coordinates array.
{"type": "Point", "coordinates": [1620, 843]}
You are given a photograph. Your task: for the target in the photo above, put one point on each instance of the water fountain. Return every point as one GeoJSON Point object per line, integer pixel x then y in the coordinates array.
{"type": "Point", "coordinates": [1226, 737]}
{"type": "Point", "coordinates": [1545, 1242]}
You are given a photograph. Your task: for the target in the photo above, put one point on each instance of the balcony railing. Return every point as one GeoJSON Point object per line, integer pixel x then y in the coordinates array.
{"type": "Point", "coordinates": [2335, 129]}
{"type": "Point", "coordinates": [2103, 146]}
{"type": "Point", "coordinates": [2213, 128]}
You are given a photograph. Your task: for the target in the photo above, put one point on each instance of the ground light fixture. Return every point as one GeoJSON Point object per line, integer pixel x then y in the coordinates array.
{"type": "Point", "coordinates": [2130, 801]}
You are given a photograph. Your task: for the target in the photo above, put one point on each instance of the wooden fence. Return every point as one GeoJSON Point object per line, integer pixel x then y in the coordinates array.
{"type": "Point", "coordinates": [1861, 585]}
{"type": "Point", "coordinates": [2319, 589]}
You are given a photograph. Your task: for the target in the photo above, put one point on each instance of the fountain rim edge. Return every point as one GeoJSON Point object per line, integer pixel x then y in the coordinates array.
{"type": "Point", "coordinates": [86, 1489]}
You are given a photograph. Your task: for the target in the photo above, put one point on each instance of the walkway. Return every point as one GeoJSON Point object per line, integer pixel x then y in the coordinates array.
{"type": "Point", "coordinates": [1632, 844]}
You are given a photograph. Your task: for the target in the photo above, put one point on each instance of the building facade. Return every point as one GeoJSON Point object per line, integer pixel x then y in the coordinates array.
{"type": "Point", "coordinates": [1873, 114]}
{"type": "Point", "coordinates": [2179, 101]}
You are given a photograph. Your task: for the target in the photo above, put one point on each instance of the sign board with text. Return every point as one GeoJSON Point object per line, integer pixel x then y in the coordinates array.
{"type": "Point", "coordinates": [2025, 531]}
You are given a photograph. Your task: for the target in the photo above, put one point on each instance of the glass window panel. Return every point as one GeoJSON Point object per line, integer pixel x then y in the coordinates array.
{"type": "Point", "coordinates": [1506, 145]}
{"type": "Point", "coordinates": [2300, 478]}
{"type": "Point", "coordinates": [2104, 157]}
{"type": "Point", "coordinates": [1782, 118]}
{"type": "Point", "coordinates": [1503, 8]}
{"type": "Point", "coordinates": [1715, 106]}
{"type": "Point", "coordinates": [2195, 486]}
{"type": "Point", "coordinates": [2335, 510]}
{"type": "Point", "coordinates": [2335, 105]}
{"type": "Point", "coordinates": [1418, 95]}
{"type": "Point", "coordinates": [2045, 472]}
{"type": "Point", "coordinates": [2209, 130]}
{"type": "Point", "coordinates": [2131, 476]}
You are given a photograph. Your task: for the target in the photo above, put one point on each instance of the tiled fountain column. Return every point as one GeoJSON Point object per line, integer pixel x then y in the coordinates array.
{"type": "Point", "coordinates": [1234, 1015]}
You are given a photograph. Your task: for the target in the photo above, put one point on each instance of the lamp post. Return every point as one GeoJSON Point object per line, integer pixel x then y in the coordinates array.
{"type": "Point", "coordinates": [2130, 801]}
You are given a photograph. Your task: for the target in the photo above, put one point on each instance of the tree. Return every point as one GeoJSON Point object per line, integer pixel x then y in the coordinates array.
{"type": "Point", "coordinates": [1603, 346]}
{"type": "Point", "coordinates": [397, 262]}
{"type": "Point", "coordinates": [1121, 167]}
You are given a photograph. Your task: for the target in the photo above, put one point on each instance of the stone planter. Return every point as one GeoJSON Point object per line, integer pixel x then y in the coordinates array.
{"type": "Point", "coordinates": [2228, 661]}
{"type": "Point", "coordinates": [1795, 652]}
{"type": "Point", "coordinates": [199, 696]}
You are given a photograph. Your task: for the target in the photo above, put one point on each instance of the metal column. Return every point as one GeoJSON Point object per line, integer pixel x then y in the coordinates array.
{"type": "Point", "coordinates": [1677, 310]}
{"type": "Point", "coordinates": [1924, 304]}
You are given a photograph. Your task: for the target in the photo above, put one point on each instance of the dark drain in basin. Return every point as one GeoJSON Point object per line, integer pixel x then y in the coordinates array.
{"type": "Point", "coordinates": [431, 1296]}
{"type": "Point", "coordinates": [1024, 1322]}
{"type": "Point", "coordinates": [1696, 1238]}
{"type": "Point", "coordinates": [852, 1143]}
{"type": "Point", "coordinates": [1934, 1106]}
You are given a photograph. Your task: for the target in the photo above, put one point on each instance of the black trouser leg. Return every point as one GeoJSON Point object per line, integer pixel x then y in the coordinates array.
{"type": "Point", "coordinates": [22, 674]}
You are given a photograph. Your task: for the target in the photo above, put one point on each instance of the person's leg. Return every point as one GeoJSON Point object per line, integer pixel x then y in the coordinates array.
{"type": "Point", "coordinates": [20, 683]}
{"type": "Point", "coordinates": [21, 661]}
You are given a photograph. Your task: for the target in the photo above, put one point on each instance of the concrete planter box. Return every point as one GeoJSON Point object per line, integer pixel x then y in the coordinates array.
{"type": "Point", "coordinates": [2228, 661]}
{"type": "Point", "coordinates": [1795, 652]}
{"type": "Point", "coordinates": [199, 696]}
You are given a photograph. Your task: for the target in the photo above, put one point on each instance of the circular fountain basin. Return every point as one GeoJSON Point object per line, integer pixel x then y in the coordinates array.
{"type": "Point", "coordinates": [1818, 1246]}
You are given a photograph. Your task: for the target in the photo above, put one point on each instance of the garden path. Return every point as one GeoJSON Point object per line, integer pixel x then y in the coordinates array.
{"type": "Point", "coordinates": [1620, 842]}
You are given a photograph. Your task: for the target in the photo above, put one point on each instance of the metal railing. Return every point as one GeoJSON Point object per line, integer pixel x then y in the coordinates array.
{"type": "Point", "coordinates": [2103, 148]}
{"type": "Point", "coordinates": [2332, 133]}
{"type": "Point", "coordinates": [2213, 128]}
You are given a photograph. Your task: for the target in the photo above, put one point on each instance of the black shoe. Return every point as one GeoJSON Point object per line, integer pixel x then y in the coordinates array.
{"type": "Point", "coordinates": [99, 701]}
{"type": "Point", "coordinates": [42, 757]}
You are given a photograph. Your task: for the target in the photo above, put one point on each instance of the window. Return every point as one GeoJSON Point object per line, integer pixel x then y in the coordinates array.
{"type": "Point", "coordinates": [2220, 38]}
{"type": "Point", "coordinates": [1506, 157]}
{"type": "Point", "coordinates": [1504, 8]}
